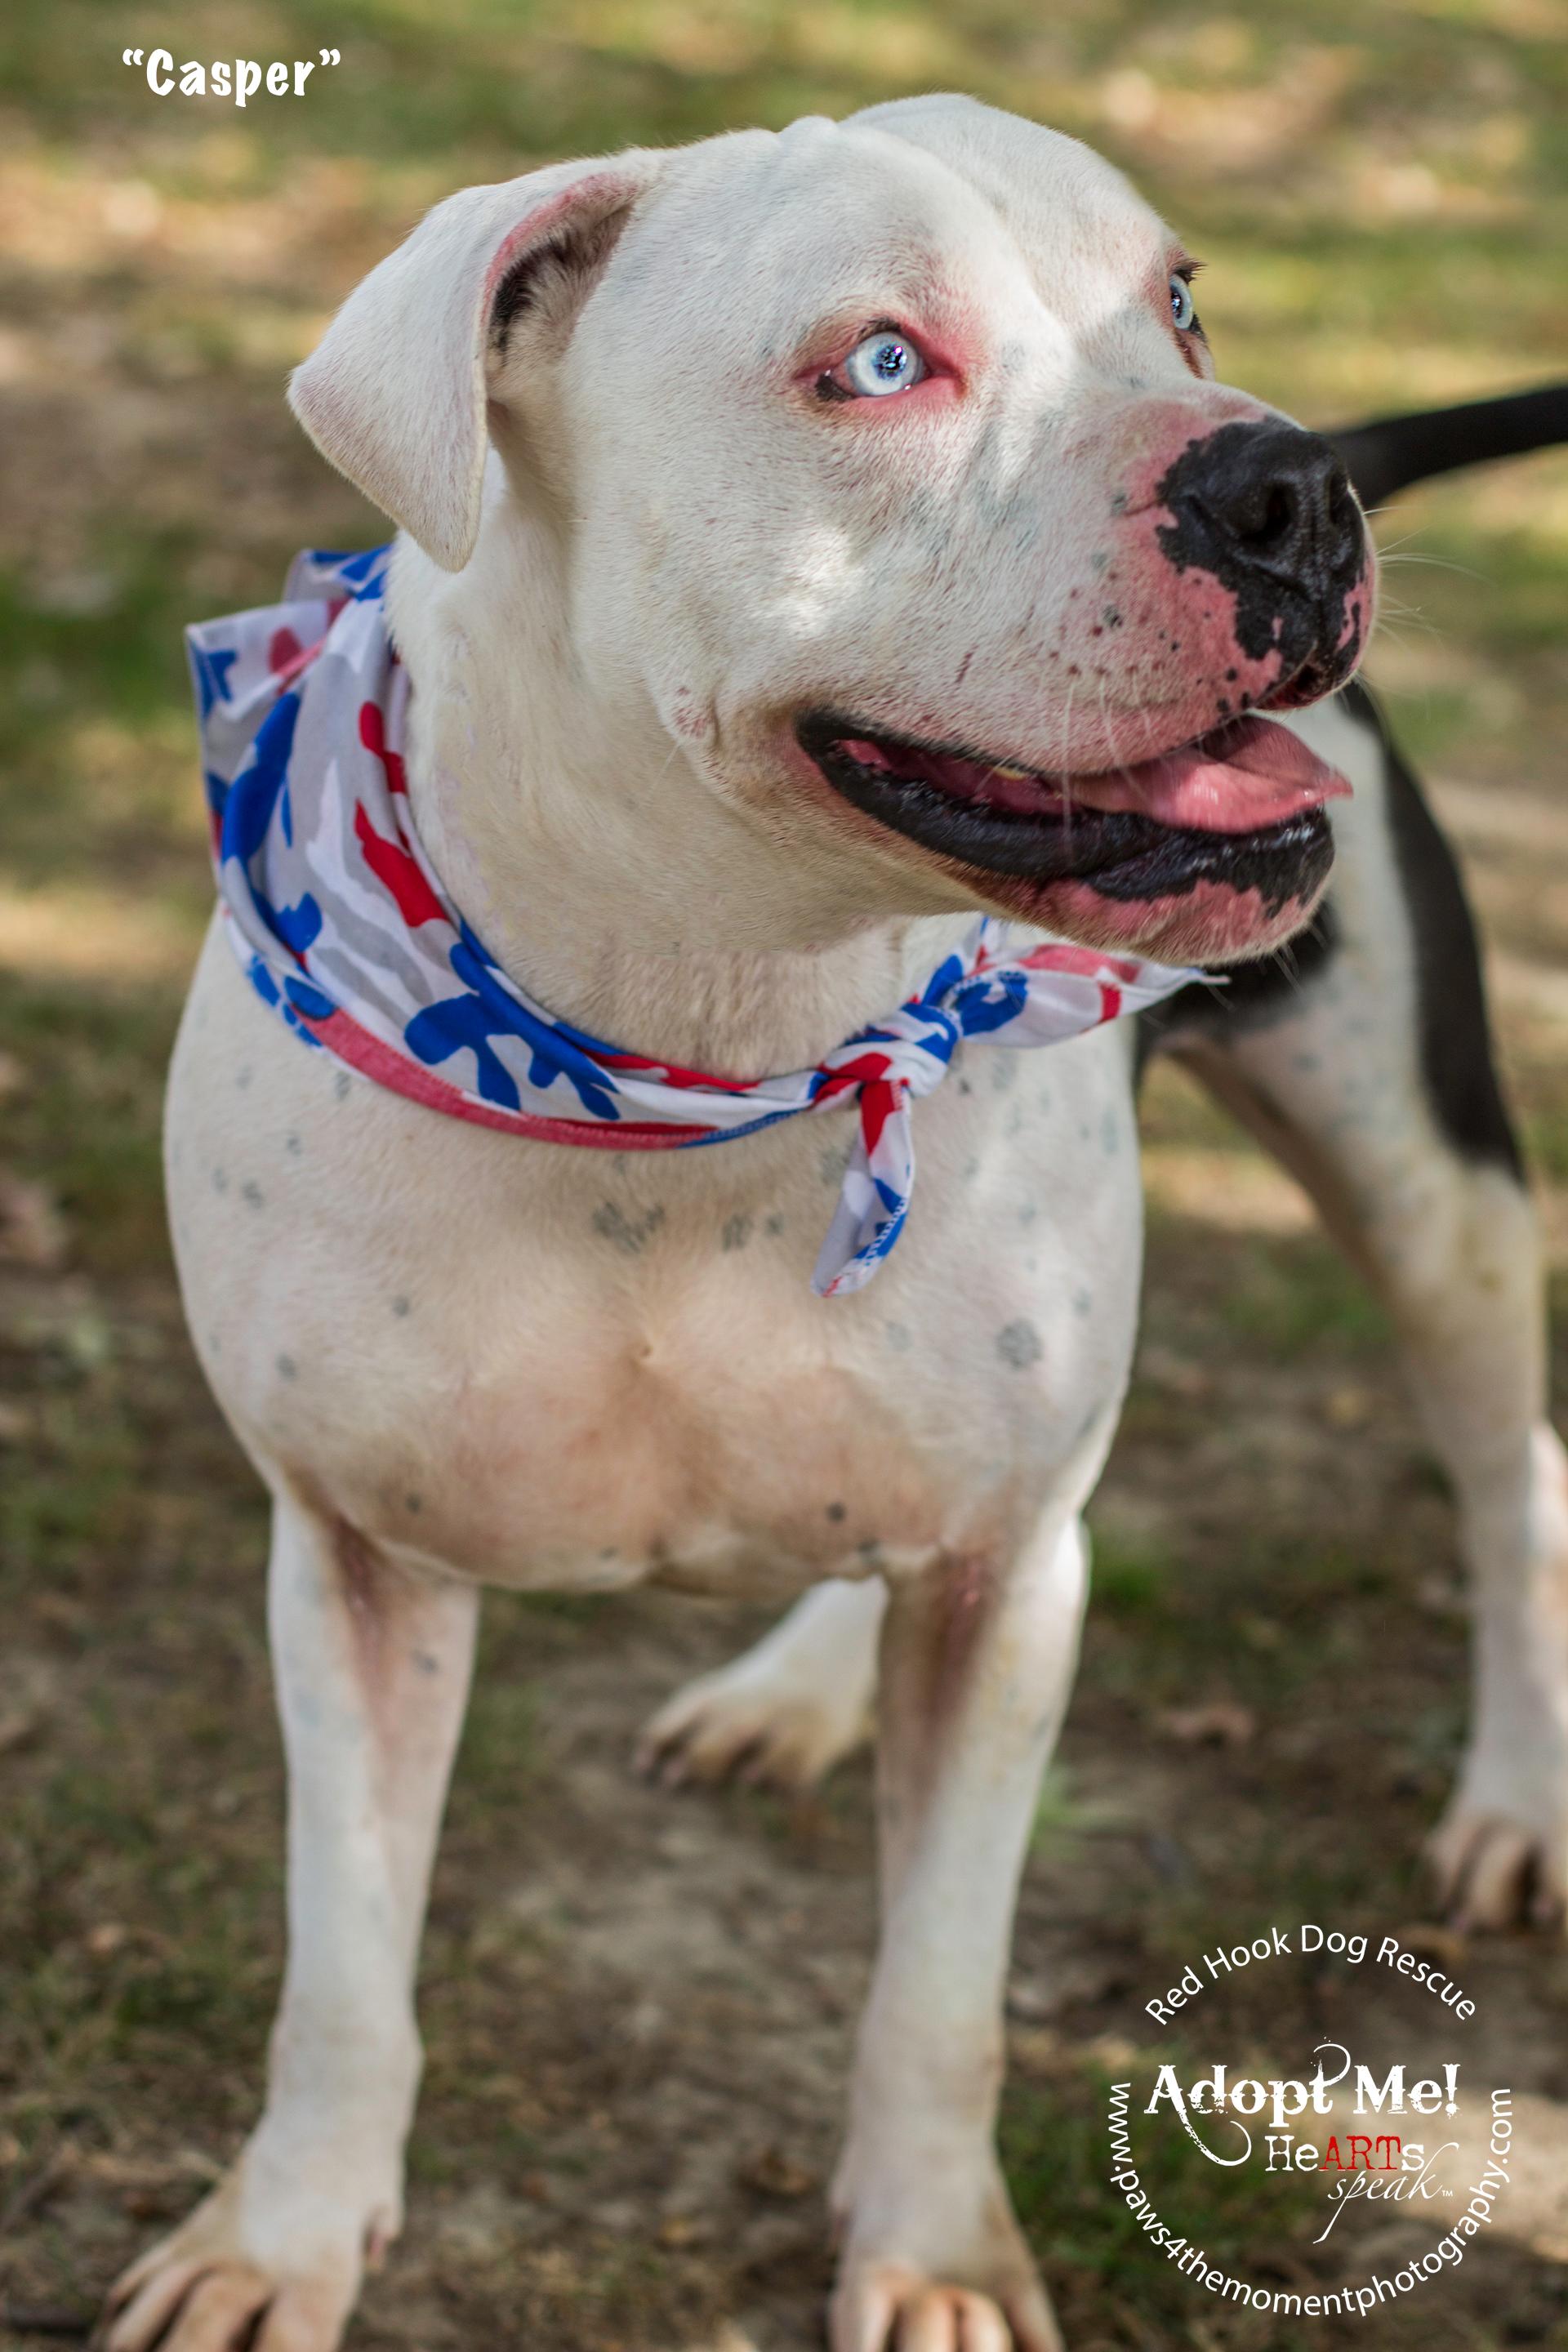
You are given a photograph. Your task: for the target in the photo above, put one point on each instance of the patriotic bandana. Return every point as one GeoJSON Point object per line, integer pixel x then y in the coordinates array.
{"type": "Point", "coordinates": [344, 928]}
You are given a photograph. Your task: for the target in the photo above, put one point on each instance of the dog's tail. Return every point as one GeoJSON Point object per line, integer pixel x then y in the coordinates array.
{"type": "Point", "coordinates": [1391, 452]}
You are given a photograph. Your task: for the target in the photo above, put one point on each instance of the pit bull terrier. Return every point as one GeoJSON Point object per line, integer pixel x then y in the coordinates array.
{"type": "Point", "coordinates": [811, 546]}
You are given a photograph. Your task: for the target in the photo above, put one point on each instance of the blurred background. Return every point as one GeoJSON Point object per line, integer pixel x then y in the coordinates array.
{"type": "Point", "coordinates": [639, 2008]}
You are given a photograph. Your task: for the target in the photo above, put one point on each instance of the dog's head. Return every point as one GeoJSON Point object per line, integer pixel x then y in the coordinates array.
{"type": "Point", "coordinates": [884, 462]}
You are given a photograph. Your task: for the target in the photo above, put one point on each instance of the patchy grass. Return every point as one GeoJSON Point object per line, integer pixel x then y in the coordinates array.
{"type": "Point", "coordinates": [1057, 2158]}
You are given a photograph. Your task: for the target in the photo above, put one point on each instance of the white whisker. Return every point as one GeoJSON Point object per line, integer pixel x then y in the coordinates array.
{"type": "Point", "coordinates": [1064, 777]}
{"type": "Point", "coordinates": [1440, 564]}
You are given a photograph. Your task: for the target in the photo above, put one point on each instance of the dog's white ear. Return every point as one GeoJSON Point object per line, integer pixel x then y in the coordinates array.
{"type": "Point", "coordinates": [395, 392]}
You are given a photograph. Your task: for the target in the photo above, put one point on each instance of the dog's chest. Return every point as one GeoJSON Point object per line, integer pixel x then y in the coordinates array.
{"type": "Point", "coordinates": [578, 1369]}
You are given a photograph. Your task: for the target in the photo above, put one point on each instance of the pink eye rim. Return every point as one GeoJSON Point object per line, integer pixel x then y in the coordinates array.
{"type": "Point", "coordinates": [833, 379]}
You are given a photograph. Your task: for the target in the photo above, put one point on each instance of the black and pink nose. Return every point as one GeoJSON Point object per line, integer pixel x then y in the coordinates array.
{"type": "Point", "coordinates": [1268, 508]}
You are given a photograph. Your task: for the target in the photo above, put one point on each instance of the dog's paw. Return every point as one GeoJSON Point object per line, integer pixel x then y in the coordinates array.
{"type": "Point", "coordinates": [933, 2262]}
{"type": "Point", "coordinates": [879, 2305]}
{"type": "Point", "coordinates": [219, 2283]}
{"type": "Point", "coordinates": [752, 1725]}
{"type": "Point", "coordinates": [888, 2308]}
{"type": "Point", "coordinates": [1495, 1869]}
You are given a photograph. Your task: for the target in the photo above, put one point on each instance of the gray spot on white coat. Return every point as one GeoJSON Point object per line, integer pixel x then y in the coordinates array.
{"type": "Point", "coordinates": [1018, 1344]}
{"type": "Point", "coordinates": [627, 1233]}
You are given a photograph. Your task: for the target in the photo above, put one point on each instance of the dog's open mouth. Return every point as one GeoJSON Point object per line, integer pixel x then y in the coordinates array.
{"type": "Point", "coordinates": [1240, 808]}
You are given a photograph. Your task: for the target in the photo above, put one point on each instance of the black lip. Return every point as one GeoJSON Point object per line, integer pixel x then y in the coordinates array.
{"type": "Point", "coordinates": [1120, 854]}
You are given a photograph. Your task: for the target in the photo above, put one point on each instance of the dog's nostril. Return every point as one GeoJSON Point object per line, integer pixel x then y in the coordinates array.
{"type": "Point", "coordinates": [1272, 497]}
{"type": "Point", "coordinates": [1267, 515]}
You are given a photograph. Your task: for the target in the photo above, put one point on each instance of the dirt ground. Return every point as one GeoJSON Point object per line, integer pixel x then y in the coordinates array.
{"type": "Point", "coordinates": [638, 2007]}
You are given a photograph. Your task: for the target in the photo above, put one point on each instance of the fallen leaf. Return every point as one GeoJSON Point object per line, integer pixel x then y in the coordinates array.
{"type": "Point", "coordinates": [1035, 2049]}
{"type": "Point", "coordinates": [59, 1610]}
{"type": "Point", "coordinates": [28, 1689]}
{"type": "Point", "coordinates": [1431, 1941]}
{"type": "Point", "coordinates": [131, 2172]}
{"type": "Point", "coordinates": [1163, 1368]}
{"type": "Point", "coordinates": [1222, 1723]}
{"type": "Point", "coordinates": [151, 2204]}
{"type": "Point", "coordinates": [32, 1232]}
{"type": "Point", "coordinates": [1030, 2001]}
{"type": "Point", "coordinates": [682, 2229]}
{"type": "Point", "coordinates": [1035, 1999]}
{"type": "Point", "coordinates": [1349, 1408]}
{"type": "Point", "coordinates": [776, 2175]}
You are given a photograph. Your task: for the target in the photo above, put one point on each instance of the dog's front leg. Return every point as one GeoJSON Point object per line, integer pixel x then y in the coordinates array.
{"type": "Point", "coordinates": [372, 1670]}
{"type": "Point", "coordinates": [975, 1668]}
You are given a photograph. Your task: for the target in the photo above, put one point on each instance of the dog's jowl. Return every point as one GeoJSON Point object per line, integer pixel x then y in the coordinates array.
{"type": "Point", "coordinates": [842, 645]}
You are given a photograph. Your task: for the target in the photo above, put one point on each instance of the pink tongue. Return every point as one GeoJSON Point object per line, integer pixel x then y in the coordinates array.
{"type": "Point", "coordinates": [1249, 775]}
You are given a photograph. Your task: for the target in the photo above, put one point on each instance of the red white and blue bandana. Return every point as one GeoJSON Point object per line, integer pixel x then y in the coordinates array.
{"type": "Point", "coordinates": [342, 926]}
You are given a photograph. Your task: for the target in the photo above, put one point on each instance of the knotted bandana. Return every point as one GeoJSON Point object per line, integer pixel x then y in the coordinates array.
{"type": "Point", "coordinates": [344, 928]}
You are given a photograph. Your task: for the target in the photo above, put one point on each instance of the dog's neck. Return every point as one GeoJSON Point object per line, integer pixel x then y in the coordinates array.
{"type": "Point", "coordinates": [600, 870]}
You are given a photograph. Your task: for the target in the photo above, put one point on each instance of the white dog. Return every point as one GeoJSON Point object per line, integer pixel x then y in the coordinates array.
{"type": "Point", "coordinates": [737, 486]}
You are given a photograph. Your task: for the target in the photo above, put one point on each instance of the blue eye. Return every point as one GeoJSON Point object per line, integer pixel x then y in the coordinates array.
{"type": "Point", "coordinates": [884, 362]}
{"type": "Point", "coordinates": [1184, 310]}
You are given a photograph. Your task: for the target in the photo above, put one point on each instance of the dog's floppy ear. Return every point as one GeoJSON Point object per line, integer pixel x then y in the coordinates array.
{"type": "Point", "coordinates": [395, 392]}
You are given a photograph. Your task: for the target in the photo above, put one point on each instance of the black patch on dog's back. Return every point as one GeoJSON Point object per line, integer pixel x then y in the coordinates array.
{"type": "Point", "coordinates": [1457, 1060]}
{"type": "Point", "coordinates": [1459, 1070]}
{"type": "Point", "coordinates": [1253, 993]}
